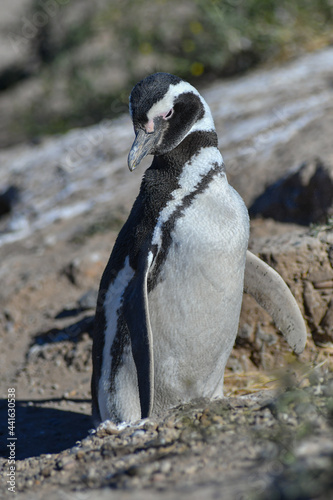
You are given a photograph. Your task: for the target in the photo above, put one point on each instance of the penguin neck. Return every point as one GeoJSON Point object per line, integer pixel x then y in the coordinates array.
{"type": "Point", "coordinates": [173, 162]}
{"type": "Point", "coordinates": [162, 178]}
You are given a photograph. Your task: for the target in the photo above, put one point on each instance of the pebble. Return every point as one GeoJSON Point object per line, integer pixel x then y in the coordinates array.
{"type": "Point", "coordinates": [66, 463]}
{"type": "Point", "coordinates": [170, 423]}
{"type": "Point", "coordinates": [69, 394]}
{"type": "Point", "coordinates": [165, 467]}
{"type": "Point", "coordinates": [150, 426]}
{"type": "Point", "coordinates": [46, 471]}
{"type": "Point", "coordinates": [91, 474]}
{"type": "Point", "coordinates": [107, 428]}
{"type": "Point", "coordinates": [80, 455]}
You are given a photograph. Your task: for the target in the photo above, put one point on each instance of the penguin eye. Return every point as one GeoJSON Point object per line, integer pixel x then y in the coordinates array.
{"type": "Point", "coordinates": [168, 115]}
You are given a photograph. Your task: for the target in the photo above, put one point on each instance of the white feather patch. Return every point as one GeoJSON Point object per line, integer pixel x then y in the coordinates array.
{"type": "Point", "coordinates": [191, 175]}
{"type": "Point", "coordinates": [111, 305]}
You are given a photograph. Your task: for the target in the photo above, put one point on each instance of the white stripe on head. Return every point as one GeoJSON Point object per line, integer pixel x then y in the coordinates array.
{"type": "Point", "coordinates": [166, 103]}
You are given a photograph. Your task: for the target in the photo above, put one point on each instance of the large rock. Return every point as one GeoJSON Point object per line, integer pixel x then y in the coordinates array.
{"type": "Point", "coordinates": [305, 263]}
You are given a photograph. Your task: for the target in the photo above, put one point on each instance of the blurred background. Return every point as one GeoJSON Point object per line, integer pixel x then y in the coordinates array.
{"type": "Point", "coordinates": [72, 63]}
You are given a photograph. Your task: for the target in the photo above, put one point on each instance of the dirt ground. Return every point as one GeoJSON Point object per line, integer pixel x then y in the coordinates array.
{"type": "Point", "coordinates": [271, 437]}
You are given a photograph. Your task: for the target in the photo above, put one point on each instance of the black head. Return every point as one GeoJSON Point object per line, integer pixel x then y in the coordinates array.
{"type": "Point", "coordinates": [164, 109]}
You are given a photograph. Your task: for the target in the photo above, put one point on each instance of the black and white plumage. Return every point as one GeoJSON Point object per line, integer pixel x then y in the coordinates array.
{"type": "Point", "coordinates": [170, 296]}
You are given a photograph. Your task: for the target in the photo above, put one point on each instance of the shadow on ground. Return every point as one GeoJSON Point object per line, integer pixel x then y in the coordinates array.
{"type": "Point", "coordinates": [42, 430]}
{"type": "Point", "coordinates": [71, 332]}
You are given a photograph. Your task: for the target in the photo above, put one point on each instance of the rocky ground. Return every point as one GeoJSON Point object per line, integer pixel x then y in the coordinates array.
{"type": "Point", "coordinates": [62, 202]}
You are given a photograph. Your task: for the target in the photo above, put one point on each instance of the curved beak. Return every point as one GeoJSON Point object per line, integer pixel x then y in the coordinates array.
{"type": "Point", "coordinates": [141, 147]}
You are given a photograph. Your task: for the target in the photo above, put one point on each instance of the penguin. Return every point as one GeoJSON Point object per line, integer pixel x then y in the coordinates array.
{"type": "Point", "coordinates": [170, 297]}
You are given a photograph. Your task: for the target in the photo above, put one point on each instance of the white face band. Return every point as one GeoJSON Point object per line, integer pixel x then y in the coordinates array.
{"type": "Point", "coordinates": [166, 103]}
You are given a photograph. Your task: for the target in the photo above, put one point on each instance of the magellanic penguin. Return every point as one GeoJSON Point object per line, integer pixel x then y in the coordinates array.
{"type": "Point", "coordinates": [170, 297]}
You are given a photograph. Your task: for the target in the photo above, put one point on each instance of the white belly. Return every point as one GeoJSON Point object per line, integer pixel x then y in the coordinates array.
{"type": "Point", "coordinates": [194, 309]}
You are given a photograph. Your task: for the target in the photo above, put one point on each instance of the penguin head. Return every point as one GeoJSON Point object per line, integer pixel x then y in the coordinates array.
{"type": "Point", "coordinates": [164, 110]}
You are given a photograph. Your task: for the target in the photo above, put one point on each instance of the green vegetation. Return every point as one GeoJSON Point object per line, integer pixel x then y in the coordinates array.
{"type": "Point", "coordinates": [316, 229]}
{"type": "Point", "coordinates": [90, 54]}
{"type": "Point", "coordinates": [216, 37]}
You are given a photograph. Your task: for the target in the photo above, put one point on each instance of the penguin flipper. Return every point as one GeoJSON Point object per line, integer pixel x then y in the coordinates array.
{"type": "Point", "coordinates": [136, 315]}
{"type": "Point", "coordinates": [273, 295]}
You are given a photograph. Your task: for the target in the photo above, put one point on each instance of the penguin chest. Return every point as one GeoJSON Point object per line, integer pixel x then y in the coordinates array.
{"type": "Point", "coordinates": [194, 307]}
